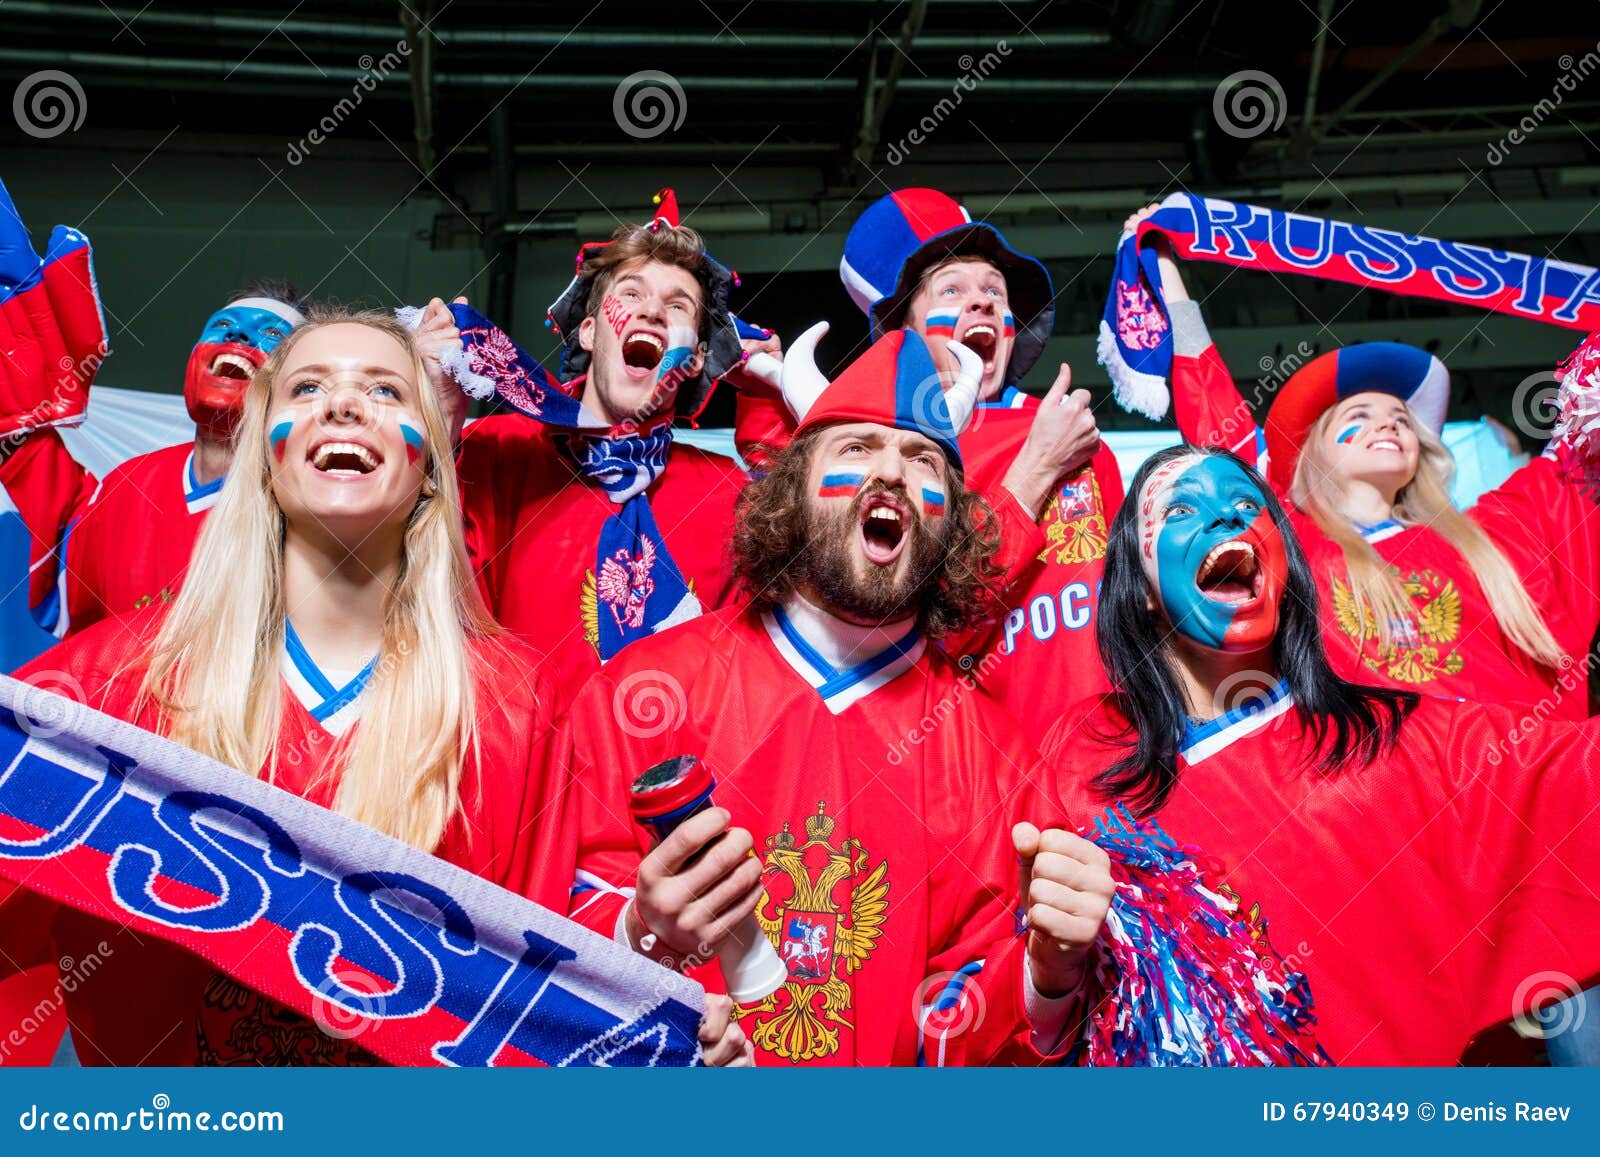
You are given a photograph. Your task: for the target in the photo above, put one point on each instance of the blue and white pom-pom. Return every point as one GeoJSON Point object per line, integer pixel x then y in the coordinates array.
{"type": "Point", "coordinates": [1182, 980]}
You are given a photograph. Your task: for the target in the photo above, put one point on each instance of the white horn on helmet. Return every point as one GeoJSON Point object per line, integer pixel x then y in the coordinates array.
{"type": "Point", "coordinates": [962, 397]}
{"type": "Point", "coordinates": [802, 383]}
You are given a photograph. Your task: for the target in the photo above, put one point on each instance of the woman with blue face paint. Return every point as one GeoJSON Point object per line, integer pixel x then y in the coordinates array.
{"type": "Point", "coordinates": [1419, 859]}
{"type": "Point", "coordinates": [1498, 603]}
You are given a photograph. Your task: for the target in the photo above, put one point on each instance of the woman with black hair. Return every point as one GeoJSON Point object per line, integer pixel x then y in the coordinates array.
{"type": "Point", "coordinates": [1423, 861]}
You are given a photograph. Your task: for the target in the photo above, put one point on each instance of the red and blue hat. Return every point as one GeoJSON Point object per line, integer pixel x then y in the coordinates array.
{"type": "Point", "coordinates": [1413, 375]}
{"type": "Point", "coordinates": [901, 236]}
{"type": "Point", "coordinates": [894, 383]}
{"type": "Point", "coordinates": [723, 351]}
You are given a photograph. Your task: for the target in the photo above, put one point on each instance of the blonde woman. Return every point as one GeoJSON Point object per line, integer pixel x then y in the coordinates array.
{"type": "Point", "coordinates": [329, 639]}
{"type": "Point", "coordinates": [1496, 604]}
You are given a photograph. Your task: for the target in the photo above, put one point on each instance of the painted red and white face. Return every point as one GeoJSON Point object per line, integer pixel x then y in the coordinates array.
{"type": "Point", "coordinates": [345, 434]}
{"type": "Point", "coordinates": [1372, 438]}
{"type": "Point", "coordinates": [966, 300]}
{"type": "Point", "coordinates": [876, 509]}
{"type": "Point", "coordinates": [643, 343]}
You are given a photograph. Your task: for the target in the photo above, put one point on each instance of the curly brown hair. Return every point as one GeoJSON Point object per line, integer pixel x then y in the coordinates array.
{"type": "Point", "coordinates": [668, 244]}
{"type": "Point", "coordinates": [772, 544]}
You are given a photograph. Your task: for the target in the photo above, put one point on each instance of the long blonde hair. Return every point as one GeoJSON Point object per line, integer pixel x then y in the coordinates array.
{"type": "Point", "coordinates": [1425, 500]}
{"type": "Point", "coordinates": [214, 664]}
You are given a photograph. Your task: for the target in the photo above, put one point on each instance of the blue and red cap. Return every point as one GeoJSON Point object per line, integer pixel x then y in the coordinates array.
{"type": "Point", "coordinates": [894, 383]}
{"type": "Point", "coordinates": [1413, 375]}
{"type": "Point", "coordinates": [900, 237]}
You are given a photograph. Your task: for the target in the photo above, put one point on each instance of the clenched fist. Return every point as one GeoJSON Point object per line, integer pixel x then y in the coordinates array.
{"type": "Point", "coordinates": [722, 1042]}
{"type": "Point", "coordinates": [1069, 894]}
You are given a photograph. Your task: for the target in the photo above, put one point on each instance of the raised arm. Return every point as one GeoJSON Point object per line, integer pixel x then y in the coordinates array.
{"type": "Point", "coordinates": [1206, 404]}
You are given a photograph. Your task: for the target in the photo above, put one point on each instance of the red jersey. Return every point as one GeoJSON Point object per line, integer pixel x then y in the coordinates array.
{"type": "Point", "coordinates": [533, 524]}
{"type": "Point", "coordinates": [1451, 645]}
{"type": "Point", "coordinates": [1040, 654]}
{"type": "Point", "coordinates": [131, 546]}
{"type": "Point", "coordinates": [881, 798]}
{"type": "Point", "coordinates": [126, 540]}
{"type": "Point", "coordinates": [1426, 895]}
{"type": "Point", "coordinates": [149, 1003]}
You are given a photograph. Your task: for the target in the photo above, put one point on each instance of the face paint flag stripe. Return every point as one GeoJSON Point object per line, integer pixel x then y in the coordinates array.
{"type": "Point", "coordinates": [122, 825]}
{"type": "Point", "coordinates": [944, 323]}
{"type": "Point", "coordinates": [1347, 435]}
{"type": "Point", "coordinates": [413, 438]}
{"type": "Point", "coordinates": [278, 435]}
{"type": "Point", "coordinates": [840, 485]}
{"type": "Point", "coordinates": [932, 501]}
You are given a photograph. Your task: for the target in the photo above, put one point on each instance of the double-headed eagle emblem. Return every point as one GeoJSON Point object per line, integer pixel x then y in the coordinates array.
{"type": "Point", "coordinates": [823, 908]}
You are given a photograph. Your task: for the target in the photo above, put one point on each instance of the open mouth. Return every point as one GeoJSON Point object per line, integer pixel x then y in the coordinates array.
{"type": "Point", "coordinates": [1384, 444]}
{"type": "Point", "coordinates": [232, 367]}
{"type": "Point", "coordinates": [346, 459]}
{"type": "Point", "coordinates": [884, 524]}
{"type": "Point", "coordinates": [982, 339]}
{"type": "Point", "coordinates": [1230, 574]}
{"type": "Point", "coordinates": [643, 351]}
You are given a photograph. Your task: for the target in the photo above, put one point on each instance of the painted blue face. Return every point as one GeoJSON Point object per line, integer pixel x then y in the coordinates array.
{"type": "Point", "coordinates": [1225, 599]}
{"type": "Point", "coordinates": [245, 325]}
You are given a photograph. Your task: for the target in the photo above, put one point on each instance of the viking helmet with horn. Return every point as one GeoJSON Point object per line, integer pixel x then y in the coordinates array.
{"type": "Point", "coordinates": [894, 383]}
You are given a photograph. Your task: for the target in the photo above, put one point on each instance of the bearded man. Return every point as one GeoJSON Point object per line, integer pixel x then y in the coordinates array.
{"type": "Point", "coordinates": [886, 798]}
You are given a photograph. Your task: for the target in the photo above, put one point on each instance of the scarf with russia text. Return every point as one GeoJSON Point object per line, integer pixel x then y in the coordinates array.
{"type": "Point", "coordinates": [338, 922]}
{"type": "Point", "coordinates": [1135, 342]}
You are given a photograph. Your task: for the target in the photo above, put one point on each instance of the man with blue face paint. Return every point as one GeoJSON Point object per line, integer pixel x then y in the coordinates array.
{"type": "Point", "coordinates": [126, 541]}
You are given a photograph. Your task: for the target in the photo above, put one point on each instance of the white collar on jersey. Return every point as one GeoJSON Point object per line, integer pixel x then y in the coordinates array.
{"type": "Point", "coordinates": [1379, 531]}
{"type": "Point", "coordinates": [195, 496]}
{"type": "Point", "coordinates": [334, 707]}
{"type": "Point", "coordinates": [1201, 740]}
{"type": "Point", "coordinates": [843, 662]}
